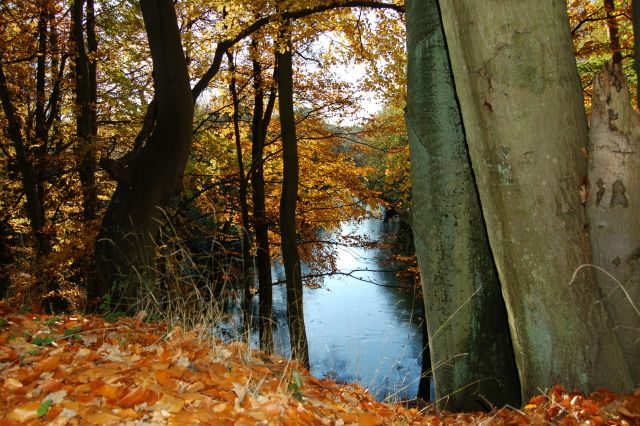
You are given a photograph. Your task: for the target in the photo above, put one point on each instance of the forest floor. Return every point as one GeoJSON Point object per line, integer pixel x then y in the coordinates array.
{"type": "Point", "coordinates": [73, 369]}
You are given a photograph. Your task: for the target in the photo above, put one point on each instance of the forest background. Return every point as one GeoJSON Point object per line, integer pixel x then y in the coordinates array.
{"type": "Point", "coordinates": [85, 118]}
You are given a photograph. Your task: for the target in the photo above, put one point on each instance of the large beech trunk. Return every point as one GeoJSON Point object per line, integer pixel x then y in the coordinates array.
{"type": "Point", "coordinates": [126, 244]}
{"type": "Point", "coordinates": [613, 206]}
{"type": "Point", "coordinates": [521, 103]}
{"type": "Point", "coordinates": [469, 338]}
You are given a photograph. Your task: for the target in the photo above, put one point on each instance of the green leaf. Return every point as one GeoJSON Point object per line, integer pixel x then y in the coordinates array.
{"type": "Point", "coordinates": [44, 407]}
{"type": "Point", "coordinates": [296, 378]}
{"type": "Point", "coordinates": [51, 321]}
{"type": "Point", "coordinates": [3, 321]}
{"type": "Point", "coordinates": [40, 341]}
{"type": "Point", "coordinates": [113, 316]}
{"type": "Point", "coordinates": [72, 330]}
{"type": "Point", "coordinates": [295, 385]}
{"type": "Point", "coordinates": [295, 391]}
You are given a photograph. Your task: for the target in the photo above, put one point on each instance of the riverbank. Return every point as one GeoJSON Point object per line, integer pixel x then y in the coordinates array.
{"type": "Point", "coordinates": [72, 369]}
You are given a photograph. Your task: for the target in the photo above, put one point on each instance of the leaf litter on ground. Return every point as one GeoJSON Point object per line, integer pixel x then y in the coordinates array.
{"type": "Point", "coordinates": [84, 370]}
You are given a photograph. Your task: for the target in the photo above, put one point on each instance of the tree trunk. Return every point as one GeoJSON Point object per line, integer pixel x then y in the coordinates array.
{"type": "Point", "coordinates": [92, 45]}
{"type": "Point", "coordinates": [244, 206]}
{"type": "Point", "coordinates": [635, 11]}
{"type": "Point", "coordinates": [260, 122]}
{"type": "Point", "coordinates": [288, 200]}
{"type": "Point", "coordinates": [125, 250]}
{"type": "Point", "coordinates": [525, 124]}
{"type": "Point", "coordinates": [613, 206]}
{"type": "Point", "coordinates": [30, 184]}
{"type": "Point", "coordinates": [471, 351]}
{"type": "Point", "coordinates": [426, 373]}
{"type": "Point", "coordinates": [84, 115]}
{"type": "Point", "coordinates": [6, 255]}
{"type": "Point", "coordinates": [614, 37]}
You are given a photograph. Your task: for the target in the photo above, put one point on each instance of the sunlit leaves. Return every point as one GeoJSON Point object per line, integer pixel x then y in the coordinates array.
{"type": "Point", "coordinates": [181, 379]}
{"type": "Point", "coordinates": [592, 45]}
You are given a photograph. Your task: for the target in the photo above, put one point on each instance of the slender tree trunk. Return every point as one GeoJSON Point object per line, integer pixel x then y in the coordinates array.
{"type": "Point", "coordinates": [612, 25]}
{"type": "Point", "coordinates": [41, 80]}
{"type": "Point", "coordinates": [469, 340]}
{"type": "Point", "coordinates": [6, 256]}
{"type": "Point", "coordinates": [288, 200]}
{"type": "Point", "coordinates": [92, 45]}
{"type": "Point", "coordinates": [426, 373]}
{"type": "Point", "coordinates": [613, 206]}
{"type": "Point", "coordinates": [525, 124]}
{"type": "Point", "coordinates": [39, 142]}
{"type": "Point", "coordinates": [260, 122]}
{"type": "Point", "coordinates": [125, 249]}
{"type": "Point", "coordinates": [84, 115]}
{"type": "Point", "coordinates": [635, 11]}
{"type": "Point", "coordinates": [244, 206]}
{"type": "Point", "coordinates": [35, 209]}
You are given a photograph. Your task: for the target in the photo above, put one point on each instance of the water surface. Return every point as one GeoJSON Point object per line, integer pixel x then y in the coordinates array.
{"type": "Point", "coordinates": [358, 331]}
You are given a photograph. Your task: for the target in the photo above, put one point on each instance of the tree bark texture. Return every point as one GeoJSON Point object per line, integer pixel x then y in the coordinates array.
{"type": "Point", "coordinates": [126, 247]}
{"type": "Point", "coordinates": [523, 113]}
{"type": "Point", "coordinates": [613, 206]}
{"type": "Point", "coordinates": [288, 201]}
{"type": "Point", "coordinates": [469, 340]}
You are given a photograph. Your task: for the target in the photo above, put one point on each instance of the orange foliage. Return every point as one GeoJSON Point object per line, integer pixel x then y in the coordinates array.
{"type": "Point", "coordinates": [84, 370]}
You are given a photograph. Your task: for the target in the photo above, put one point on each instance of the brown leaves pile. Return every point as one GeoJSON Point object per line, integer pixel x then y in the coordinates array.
{"type": "Point", "coordinates": [72, 370]}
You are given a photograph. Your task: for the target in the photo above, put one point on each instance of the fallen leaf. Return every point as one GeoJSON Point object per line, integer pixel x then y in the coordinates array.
{"type": "Point", "coordinates": [24, 412]}
{"type": "Point", "coordinates": [170, 403]}
{"type": "Point", "coordinates": [136, 397]}
{"type": "Point", "coordinates": [12, 384]}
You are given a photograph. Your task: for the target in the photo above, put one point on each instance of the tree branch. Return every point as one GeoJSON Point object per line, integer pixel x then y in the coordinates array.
{"type": "Point", "coordinates": [222, 46]}
{"type": "Point", "coordinates": [352, 274]}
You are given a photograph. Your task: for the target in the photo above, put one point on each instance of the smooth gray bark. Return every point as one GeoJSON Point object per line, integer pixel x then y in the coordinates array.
{"type": "Point", "coordinates": [613, 206]}
{"type": "Point", "coordinates": [523, 113]}
{"type": "Point", "coordinates": [469, 340]}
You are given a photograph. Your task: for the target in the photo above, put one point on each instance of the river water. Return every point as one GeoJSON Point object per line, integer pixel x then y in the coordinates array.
{"type": "Point", "coordinates": [359, 331]}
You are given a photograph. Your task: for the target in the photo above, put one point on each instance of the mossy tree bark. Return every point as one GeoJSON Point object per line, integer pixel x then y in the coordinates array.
{"type": "Point", "coordinates": [469, 338]}
{"type": "Point", "coordinates": [521, 103]}
{"type": "Point", "coordinates": [613, 206]}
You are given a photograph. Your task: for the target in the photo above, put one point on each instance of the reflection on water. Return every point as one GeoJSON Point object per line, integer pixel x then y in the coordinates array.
{"type": "Point", "coordinates": [358, 331]}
